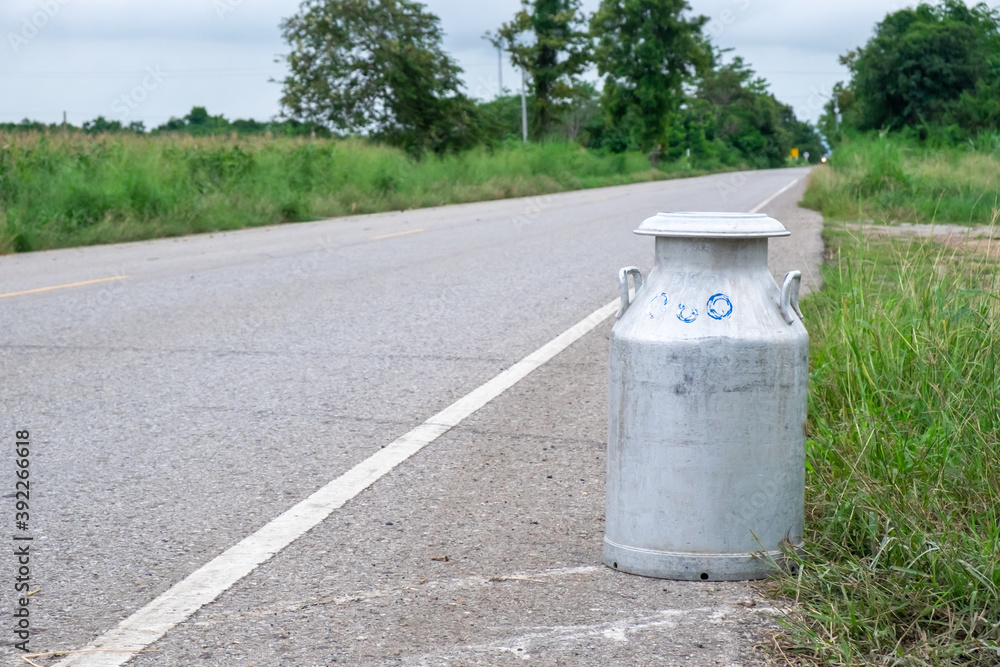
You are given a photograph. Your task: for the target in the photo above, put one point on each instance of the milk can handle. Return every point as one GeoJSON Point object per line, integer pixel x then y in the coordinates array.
{"type": "Point", "coordinates": [790, 296]}
{"type": "Point", "coordinates": [623, 286]}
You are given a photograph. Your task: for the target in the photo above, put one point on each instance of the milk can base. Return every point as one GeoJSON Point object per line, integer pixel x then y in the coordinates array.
{"type": "Point", "coordinates": [693, 566]}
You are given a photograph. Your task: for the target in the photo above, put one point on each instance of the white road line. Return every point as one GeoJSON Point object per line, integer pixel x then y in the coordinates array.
{"type": "Point", "coordinates": [774, 196]}
{"type": "Point", "coordinates": [209, 581]}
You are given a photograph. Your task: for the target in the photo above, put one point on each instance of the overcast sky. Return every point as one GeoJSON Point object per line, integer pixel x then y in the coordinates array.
{"type": "Point", "coordinates": [131, 60]}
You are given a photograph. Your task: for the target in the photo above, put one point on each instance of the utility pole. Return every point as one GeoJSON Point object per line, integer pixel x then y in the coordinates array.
{"type": "Point", "coordinates": [524, 111]}
{"type": "Point", "coordinates": [497, 41]}
{"type": "Point", "coordinates": [836, 113]}
{"type": "Point", "coordinates": [500, 68]}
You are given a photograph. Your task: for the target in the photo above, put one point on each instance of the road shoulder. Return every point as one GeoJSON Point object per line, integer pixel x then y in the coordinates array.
{"type": "Point", "coordinates": [485, 548]}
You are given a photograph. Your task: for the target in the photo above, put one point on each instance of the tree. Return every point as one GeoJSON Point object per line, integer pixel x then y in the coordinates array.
{"type": "Point", "coordinates": [584, 112]}
{"type": "Point", "coordinates": [841, 99]}
{"type": "Point", "coordinates": [548, 40]}
{"type": "Point", "coordinates": [376, 67]}
{"type": "Point", "coordinates": [922, 61]}
{"type": "Point", "coordinates": [102, 125]}
{"type": "Point", "coordinates": [732, 118]}
{"type": "Point", "coordinates": [502, 118]}
{"type": "Point", "coordinates": [198, 122]}
{"type": "Point", "coordinates": [646, 50]}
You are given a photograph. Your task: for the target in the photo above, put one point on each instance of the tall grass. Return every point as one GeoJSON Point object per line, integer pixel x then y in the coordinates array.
{"type": "Point", "coordinates": [64, 190]}
{"type": "Point", "coordinates": [889, 179]}
{"type": "Point", "coordinates": [903, 452]}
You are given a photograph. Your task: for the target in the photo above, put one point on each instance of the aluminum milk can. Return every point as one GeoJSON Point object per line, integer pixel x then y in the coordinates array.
{"type": "Point", "coordinates": [706, 405]}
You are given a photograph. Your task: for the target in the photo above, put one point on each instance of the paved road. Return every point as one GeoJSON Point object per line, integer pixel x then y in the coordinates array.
{"type": "Point", "coordinates": [226, 377]}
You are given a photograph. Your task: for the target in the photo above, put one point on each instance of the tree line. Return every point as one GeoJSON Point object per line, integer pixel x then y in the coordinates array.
{"type": "Point", "coordinates": [930, 71]}
{"type": "Point", "coordinates": [378, 68]}
{"type": "Point", "coordinates": [198, 122]}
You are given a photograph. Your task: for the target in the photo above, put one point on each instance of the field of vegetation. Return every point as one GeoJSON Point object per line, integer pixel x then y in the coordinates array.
{"type": "Point", "coordinates": [903, 450]}
{"type": "Point", "coordinates": [892, 179]}
{"type": "Point", "coordinates": [407, 133]}
{"type": "Point", "coordinates": [67, 190]}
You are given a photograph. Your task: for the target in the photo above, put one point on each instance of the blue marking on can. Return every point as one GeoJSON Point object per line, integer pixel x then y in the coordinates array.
{"type": "Point", "coordinates": [652, 303]}
{"type": "Point", "coordinates": [719, 306]}
{"type": "Point", "coordinates": [687, 319]}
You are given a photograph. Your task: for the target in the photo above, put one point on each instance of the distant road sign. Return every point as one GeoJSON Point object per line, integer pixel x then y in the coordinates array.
{"type": "Point", "coordinates": [795, 152]}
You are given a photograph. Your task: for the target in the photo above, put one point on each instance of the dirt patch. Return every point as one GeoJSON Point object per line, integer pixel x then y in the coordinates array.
{"type": "Point", "coordinates": [980, 239]}
{"type": "Point", "coordinates": [988, 247]}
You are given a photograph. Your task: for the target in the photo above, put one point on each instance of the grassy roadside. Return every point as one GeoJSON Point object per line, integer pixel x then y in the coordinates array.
{"type": "Point", "coordinates": [68, 190]}
{"type": "Point", "coordinates": [903, 457]}
{"type": "Point", "coordinates": [893, 180]}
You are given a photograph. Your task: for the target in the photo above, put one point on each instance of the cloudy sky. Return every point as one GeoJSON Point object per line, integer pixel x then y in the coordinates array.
{"type": "Point", "coordinates": [139, 60]}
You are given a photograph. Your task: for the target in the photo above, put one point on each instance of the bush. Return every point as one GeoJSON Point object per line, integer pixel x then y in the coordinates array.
{"type": "Point", "coordinates": [892, 178]}
{"type": "Point", "coordinates": [903, 459]}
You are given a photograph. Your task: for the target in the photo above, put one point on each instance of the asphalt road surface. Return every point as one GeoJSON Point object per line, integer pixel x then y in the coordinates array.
{"type": "Point", "coordinates": [180, 394]}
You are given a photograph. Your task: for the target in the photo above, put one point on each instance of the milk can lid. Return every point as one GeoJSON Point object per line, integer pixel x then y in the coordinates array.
{"type": "Point", "coordinates": [712, 225]}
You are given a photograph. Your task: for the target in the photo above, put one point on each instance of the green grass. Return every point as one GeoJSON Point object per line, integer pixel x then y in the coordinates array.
{"type": "Point", "coordinates": [892, 180]}
{"type": "Point", "coordinates": [68, 190]}
{"type": "Point", "coordinates": [903, 459]}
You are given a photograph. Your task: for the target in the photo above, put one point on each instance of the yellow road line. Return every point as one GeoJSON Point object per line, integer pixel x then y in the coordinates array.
{"type": "Point", "coordinates": [386, 236]}
{"type": "Point", "coordinates": [46, 289]}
